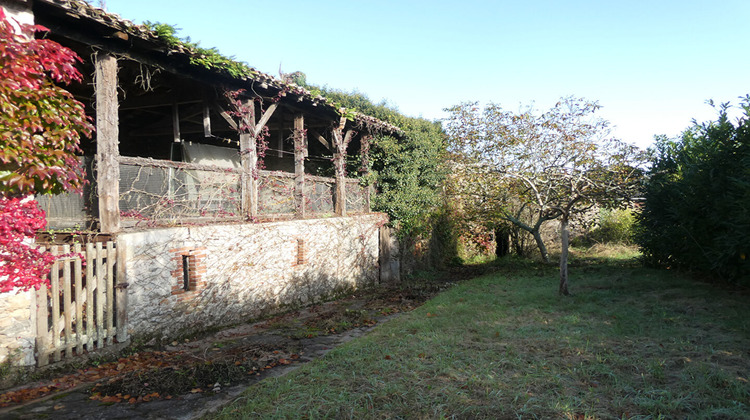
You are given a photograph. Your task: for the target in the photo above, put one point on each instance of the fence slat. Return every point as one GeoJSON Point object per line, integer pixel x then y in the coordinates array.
{"type": "Point", "coordinates": [111, 257]}
{"type": "Point", "coordinates": [90, 286]}
{"type": "Point", "coordinates": [79, 300]}
{"type": "Point", "coordinates": [55, 296]}
{"type": "Point", "coordinates": [42, 327]}
{"type": "Point", "coordinates": [100, 284]}
{"type": "Point", "coordinates": [67, 309]}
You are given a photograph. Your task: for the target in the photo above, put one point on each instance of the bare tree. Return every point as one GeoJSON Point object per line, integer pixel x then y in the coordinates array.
{"type": "Point", "coordinates": [554, 164]}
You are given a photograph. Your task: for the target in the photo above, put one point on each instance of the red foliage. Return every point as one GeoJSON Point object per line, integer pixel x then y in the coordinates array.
{"type": "Point", "coordinates": [40, 122]}
{"type": "Point", "coordinates": [40, 127]}
{"type": "Point", "coordinates": [22, 265]}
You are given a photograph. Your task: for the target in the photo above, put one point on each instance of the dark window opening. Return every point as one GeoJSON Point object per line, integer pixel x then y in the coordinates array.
{"type": "Point", "coordinates": [186, 272]}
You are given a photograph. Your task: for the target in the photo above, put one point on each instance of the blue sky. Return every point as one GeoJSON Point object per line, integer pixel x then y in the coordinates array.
{"type": "Point", "coordinates": [650, 64]}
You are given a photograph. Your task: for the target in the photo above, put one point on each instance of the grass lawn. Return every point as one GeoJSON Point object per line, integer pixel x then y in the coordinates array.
{"type": "Point", "coordinates": [630, 343]}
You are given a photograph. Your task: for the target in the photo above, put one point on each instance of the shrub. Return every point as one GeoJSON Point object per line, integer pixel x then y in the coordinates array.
{"type": "Point", "coordinates": [697, 209]}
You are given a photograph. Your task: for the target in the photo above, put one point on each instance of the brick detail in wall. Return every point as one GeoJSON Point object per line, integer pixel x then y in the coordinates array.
{"type": "Point", "coordinates": [195, 270]}
{"type": "Point", "coordinates": [301, 257]}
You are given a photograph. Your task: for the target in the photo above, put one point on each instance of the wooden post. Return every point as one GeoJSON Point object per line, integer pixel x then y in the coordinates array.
{"type": "Point", "coordinates": [300, 151]}
{"type": "Point", "coordinates": [340, 141]}
{"type": "Point", "coordinates": [249, 159]}
{"type": "Point", "coordinates": [107, 135]}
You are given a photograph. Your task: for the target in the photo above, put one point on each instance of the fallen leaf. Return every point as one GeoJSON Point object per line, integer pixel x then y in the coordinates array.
{"type": "Point", "coordinates": [387, 357]}
{"type": "Point", "coordinates": [58, 407]}
{"type": "Point", "coordinates": [195, 390]}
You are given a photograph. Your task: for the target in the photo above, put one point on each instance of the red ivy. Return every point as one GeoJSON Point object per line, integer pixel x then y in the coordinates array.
{"type": "Point", "coordinates": [22, 264]}
{"type": "Point", "coordinates": [40, 122]}
{"type": "Point", "coordinates": [40, 127]}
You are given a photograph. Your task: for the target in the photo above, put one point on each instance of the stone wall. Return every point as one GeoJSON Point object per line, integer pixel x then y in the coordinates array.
{"type": "Point", "coordinates": [186, 279]}
{"type": "Point", "coordinates": [17, 328]}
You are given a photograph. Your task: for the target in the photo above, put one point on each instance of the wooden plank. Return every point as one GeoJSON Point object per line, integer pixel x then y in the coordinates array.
{"type": "Point", "coordinates": [107, 136]}
{"type": "Point", "coordinates": [100, 284]}
{"type": "Point", "coordinates": [122, 294]}
{"type": "Point", "coordinates": [90, 286]}
{"type": "Point", "coordinates": [110, 292]}
{"type": "Point", "coordinates": [42, 327]}
{"type": "Point", "coordinates": [79, 299]}
{"type": "Point", "coordinates": [299, 166]}
{"type": "Point", "coordinates": [55, 296]}
{"type": "Point", "coordinates": [67, 307]}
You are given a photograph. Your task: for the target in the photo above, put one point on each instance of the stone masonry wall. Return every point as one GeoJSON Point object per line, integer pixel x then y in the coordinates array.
{"type": "Point", "coordinates": [17, 328]}
{"type": "Point", "coordinates": [186, 279]}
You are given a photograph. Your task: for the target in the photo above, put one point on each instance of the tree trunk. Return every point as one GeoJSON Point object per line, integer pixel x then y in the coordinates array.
{"type": "Point", "coordinates": [502, 241]}
{"type": "Point", "coordinates": [564, 236]}
{"type": "Point", "coordinates": [540, 244]}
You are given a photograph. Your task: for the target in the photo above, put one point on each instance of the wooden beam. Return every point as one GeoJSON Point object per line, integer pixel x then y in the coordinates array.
{"type": "Point", "coordinates": [206, 120]}
{"type": "Point", "coordinates": [265, 117]}
{"type": "Point", "coordinates": [107, 137]}
{"type": "Point", "coordinates": [300, 151]}
{"type": "Point", "coordinates": [224, 114]}
{"type": "Point", "coordinates": [319, 138]}
{"type": "Point", "coordinates": [175, 123]}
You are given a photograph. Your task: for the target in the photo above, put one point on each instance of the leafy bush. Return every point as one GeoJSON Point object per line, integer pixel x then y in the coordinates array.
{"type": "Point", "coordinates": [697, 209]}
{"type": "Point", "coordinates": [615, 226]}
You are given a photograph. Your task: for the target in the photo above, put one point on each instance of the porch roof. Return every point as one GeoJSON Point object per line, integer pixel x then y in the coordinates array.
{"type": "Point", "coordinates": [132, 39]}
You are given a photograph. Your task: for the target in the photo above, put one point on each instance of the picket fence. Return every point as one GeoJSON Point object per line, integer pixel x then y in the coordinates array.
{"type": "Point", "coordinates": [84, 308]}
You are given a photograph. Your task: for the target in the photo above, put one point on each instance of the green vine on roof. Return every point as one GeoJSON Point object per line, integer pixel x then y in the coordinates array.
{"type": "Point", "coordinates": [209, 58]}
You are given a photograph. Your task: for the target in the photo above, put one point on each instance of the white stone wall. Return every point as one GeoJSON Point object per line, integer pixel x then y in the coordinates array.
{"type": "Point", "coordinates": [243, 271]}
{"type": "Point", "coordinates": [17, 328]}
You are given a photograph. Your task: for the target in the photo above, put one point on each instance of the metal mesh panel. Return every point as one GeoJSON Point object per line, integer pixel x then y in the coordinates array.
{"type": "Point", "coordinates": [319, 194]}
{"type": "Point", "coordinates": [174, 194]}
{"type": "Point", "coordinates": [72, 210]}
{"type": "Point", "coordinates": [355, 198]}
{"type": "Point", "coordinates": [275, 193]}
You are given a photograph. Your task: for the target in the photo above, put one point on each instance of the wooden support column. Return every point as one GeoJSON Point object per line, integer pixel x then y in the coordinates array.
{"type": "Point", "coordinates": [249, 160]}
{"type": "Point", "coordinates": [249, 132]}
{"type": "Point", "coordinates": [300, 151]}
{"type": "Point", "coordinates": [340, 141]}
{"type": "Point", "coordinates": [107, 137]}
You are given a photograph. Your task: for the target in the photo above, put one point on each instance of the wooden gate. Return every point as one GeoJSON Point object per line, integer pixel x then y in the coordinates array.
{"type": "Point", "coordinates": [85, 307]}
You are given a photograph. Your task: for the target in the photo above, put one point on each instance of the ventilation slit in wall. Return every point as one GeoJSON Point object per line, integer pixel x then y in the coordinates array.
{"type": "Point", "coordinates": [186, 272]}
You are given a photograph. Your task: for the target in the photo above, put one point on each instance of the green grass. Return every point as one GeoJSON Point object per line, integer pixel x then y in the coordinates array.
{"type": "Point", "coordinates": [630, 343]}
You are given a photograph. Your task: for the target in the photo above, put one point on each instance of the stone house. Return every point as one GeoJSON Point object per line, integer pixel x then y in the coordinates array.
{"type": "Point", "coordinates": [217, 194]}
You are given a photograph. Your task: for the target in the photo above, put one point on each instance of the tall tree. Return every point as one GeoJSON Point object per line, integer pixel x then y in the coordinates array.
{"type": "Point", "coordinates": [40, 127]}
{"type": "Point", "coordinates": [551, 165]}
